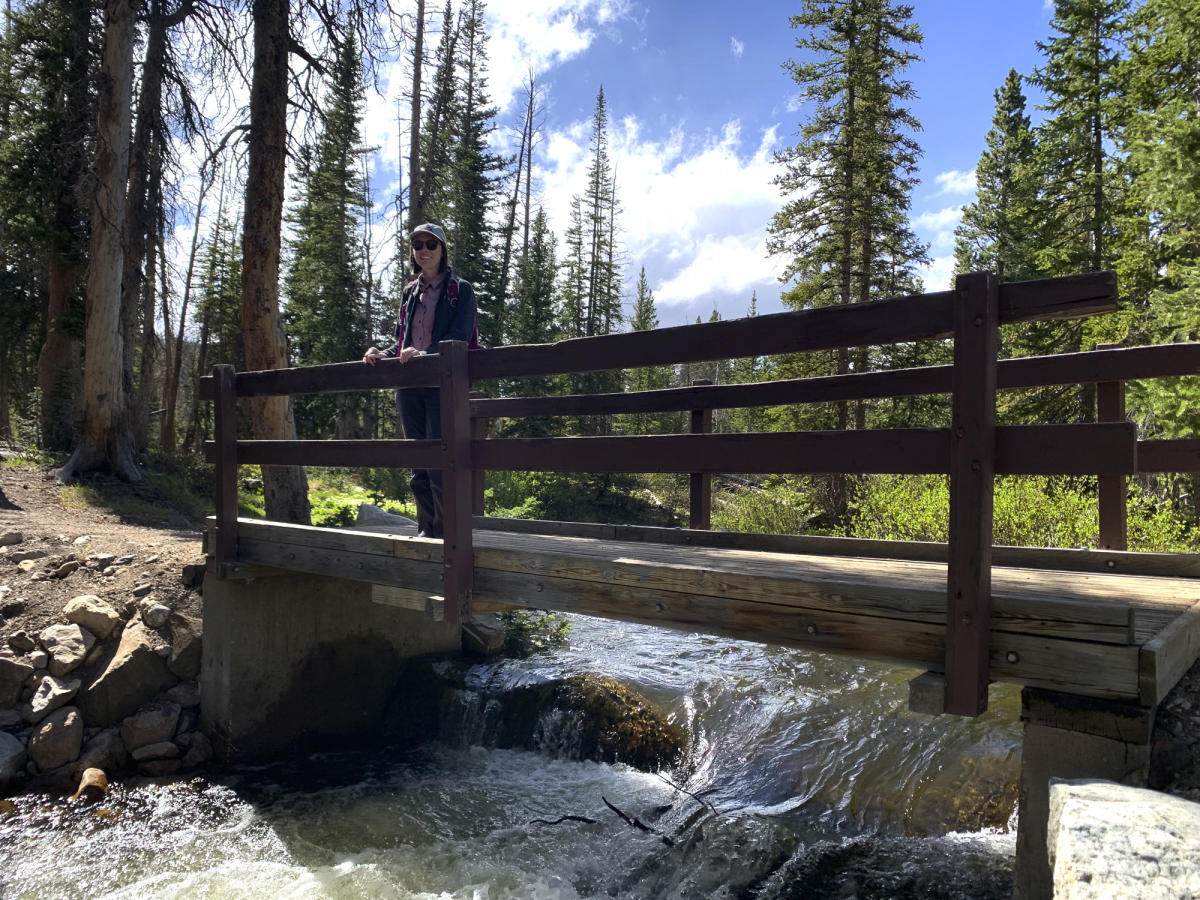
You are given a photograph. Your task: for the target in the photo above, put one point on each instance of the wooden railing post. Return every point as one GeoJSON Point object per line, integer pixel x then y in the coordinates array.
{"type": "Point", "coordinates": [458, 557]}
{"type": "Point", "coordinates": [1111, 489]}
{"type": "Point", "coordinates": [479, 431]}
{"type": "Point", "coordinates": [700, 487]}
{"type": "Point", "coordinates": [972, 468]}
{"type": "Point", "coordinates": [225, 438]}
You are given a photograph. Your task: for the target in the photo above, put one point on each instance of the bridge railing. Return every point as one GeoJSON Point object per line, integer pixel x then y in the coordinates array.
{"type": "Point", "coordinates": [971, 451]}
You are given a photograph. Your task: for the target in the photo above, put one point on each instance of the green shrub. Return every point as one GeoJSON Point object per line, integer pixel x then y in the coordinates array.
{"type": "Point", "coordinates": [528, 631]}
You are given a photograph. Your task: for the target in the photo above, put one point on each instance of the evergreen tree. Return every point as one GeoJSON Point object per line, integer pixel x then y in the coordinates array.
{"type": "Point", "coordinates": [326, 313]}
{"type": "Point", "coordinates": [1075, 141]}
{"type": "Point", "coordinates": [998, 228]}
{"type": "Point", "coordinates": [475, 181]}
{"type": "Point", "coordinates": [1161, 234]}
{"type": "Point", "coordinates": [849, 178]}
{"type": "Point", "coordinates": [647, 378]}
{"type": "Point", "coordinates": [532, 321]}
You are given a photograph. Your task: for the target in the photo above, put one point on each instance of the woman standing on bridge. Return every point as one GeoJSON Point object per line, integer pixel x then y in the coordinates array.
{"type": "Point", "coordinates": [436, 307]}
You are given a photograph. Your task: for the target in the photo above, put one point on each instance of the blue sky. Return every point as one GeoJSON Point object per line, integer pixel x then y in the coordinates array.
{"type": "Point", "coordinates": [698, 100]}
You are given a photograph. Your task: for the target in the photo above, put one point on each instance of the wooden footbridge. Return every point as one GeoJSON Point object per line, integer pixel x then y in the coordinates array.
{"type": "Point", "coordinates": [1098, 623]}
{"type": "Point", "coordinates": [1097, 637]}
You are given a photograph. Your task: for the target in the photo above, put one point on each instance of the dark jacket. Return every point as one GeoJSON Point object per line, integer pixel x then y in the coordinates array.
{"type": "Point", "coordinates": [451, 321]}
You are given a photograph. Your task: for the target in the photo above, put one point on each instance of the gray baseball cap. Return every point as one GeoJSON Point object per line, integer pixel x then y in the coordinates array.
{"type": "Point", "coordinates": [430, 228]}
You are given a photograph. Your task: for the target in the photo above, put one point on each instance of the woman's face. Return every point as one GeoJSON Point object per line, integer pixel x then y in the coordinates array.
{"type": "Point", "coordinates": [427, 251]}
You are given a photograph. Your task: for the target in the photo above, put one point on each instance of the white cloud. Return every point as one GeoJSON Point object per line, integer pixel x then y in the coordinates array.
{"type": "Point", "coordinates": [693, 212]}
{"type": "Point", "coordinates": [955, 182]}
{"type": "Point", "coordinates": [736, 47]}
{"type": "Point", "coordinates": [939, 274]}
{"type": "Point", "coordinates": [939, 220]}
{"type": "Point", "coordinates": [542, 34]}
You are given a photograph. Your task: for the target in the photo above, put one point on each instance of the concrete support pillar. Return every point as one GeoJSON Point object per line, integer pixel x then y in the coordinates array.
{"type": "Point", "coordinates": [1067, 736]}
{"type": "Point", "coordinates": [294, 655]}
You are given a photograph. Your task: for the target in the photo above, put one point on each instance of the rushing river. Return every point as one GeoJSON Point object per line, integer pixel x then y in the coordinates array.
{"type": "Point", "coordinates": [807, 778]}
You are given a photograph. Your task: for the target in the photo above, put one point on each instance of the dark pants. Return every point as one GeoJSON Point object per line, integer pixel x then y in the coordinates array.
{"type": "Point", "coordinates": [421, 418]}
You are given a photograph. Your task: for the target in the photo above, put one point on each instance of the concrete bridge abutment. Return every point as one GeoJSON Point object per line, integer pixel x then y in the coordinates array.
{"type": "Point", "coordinates": [1070, 737]}
{"type": "Point", "coordinates": [291, 656]}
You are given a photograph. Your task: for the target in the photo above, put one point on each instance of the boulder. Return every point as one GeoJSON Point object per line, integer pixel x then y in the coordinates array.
{"type": "Point", "coordinates": [199, 749]}
{"type": "Point", "coordinates": [68, 646]}
{"type": "Point", "coordinates": [29, 556]}
{"type": "Point", "coordinates": [161, 750]}
{"type": "Point", "coordinates": [105, 751]}
{"type": "Point", "coordinates": [1108, 840]}
{"type": "Point", "coordinates": [93, 784]}
{"type": "Point", "coordinates": [186, 694]}
{"type": "Point", "coordinates": [158, 767]}
{"type": "Point", "coordinates": [133, 676]}
{"type": "Point", "coordinates": [53, 693]}
{"type": "Point", "coordinates": [150, 725]}
{"type": "Point", "coordinates": [92, 613]}
{"type": "Point", "coordinates": [154, 614]}
{"type": "Point", "coordinates": [12, 758]}
{"type": "Point", "coordinates": [8, 538]}
{"type": "Point", "coordinates": [186, 646]}
{"type": "Point", "coordinates": [13, 674]}
{"type": "Point", "coordinates": [58, 740]}
{"type": "Point", "coordinates": [373, 518]}
{"type": "Point", "coordinates": [21, 642]}
{"type": "Point", "coordinates": [9, 718]}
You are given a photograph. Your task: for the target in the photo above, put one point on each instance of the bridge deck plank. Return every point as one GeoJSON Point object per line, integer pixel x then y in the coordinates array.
{"type": "Point", "coordinates": [1103, 635]}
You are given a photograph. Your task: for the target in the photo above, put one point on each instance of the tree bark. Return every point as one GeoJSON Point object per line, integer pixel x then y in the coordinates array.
{"type": "Point", "coordinates": [416, 206]}
{"type": "Point", "coordinates": [285, 488]}
{"type": "Point", "coordinates": [106, 441]}
{"type": "Point", "coordinates": [58, 376]}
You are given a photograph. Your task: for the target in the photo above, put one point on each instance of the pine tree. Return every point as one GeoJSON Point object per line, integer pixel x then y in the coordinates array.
{"type": "Point", "coordinates": [1161, 234]}
{"type": "Point", "coordinates": [1074, 141]}
{"type": "Point", "coordinates": [999, 228]}
{"type": "Point", "coordinates": [848, 180]}
{"type": "Point", "coordinates": [326, 315]}
{"type": "Point", "coordinates": [647, 378]}
{"type": "Point", "coordinates": [533, 321]}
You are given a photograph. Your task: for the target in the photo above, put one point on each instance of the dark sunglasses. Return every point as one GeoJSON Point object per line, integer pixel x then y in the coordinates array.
{"type": "Point", "coordinates": [431, 244]}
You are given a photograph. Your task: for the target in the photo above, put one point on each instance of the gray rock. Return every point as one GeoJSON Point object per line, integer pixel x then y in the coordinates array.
{"type": "Point", "coordinates": [39, 659]}
{"type": "Point", "coordinates": [27, 565]}
{"type": "Point", "coordinates": [142, 590]}
{"type": "Point", "coordinates": [21, 556]}
{"type": "Point", "coordinates": [192, 575]}
{"type": "Point", "coordinates": [8, 538]}
{"type": "Point", "coordinates": [199, 750]}
{"type": "Point", "coordinates": [189, 719]}
{"type": "Point", "coordinates": [66, 568]}
{"type": "Point", "coordinates": [53, 693]}
{"type": "Point", "coordinates": [123, 561]}
{"type": "Point", "coordinates": [13, 673]}
{"type": "Point", "coordinates": [10, 718]}
{"type": "Point", "coordinates": [1109, 840]}
{"type": "Point", "coordinates": [109, 570]}
{"type": "Point", "coordinates": [21, 642]}
{"type": "Point", "coordinates": [373, 518]}
{"type": "Point", "coordinates": [161, 750]}
{"type": "Point", "coordinates": [158, 767]}
{"type": "Point", "coordinates": [83, 539]}
{"type": "Point", "coordinates": [68, 646]}
{"type": "Point", "coordinates": [132, 676]}
{"type": "Point", "coordinates": [154, 614]}
{"type": "Point", "coordinates": [13, 608]}
{"type": "Point", "coordinates": [101, 560]}
{"type": "Point", "coordinates": [186, 694]}
{"type": "Point", "coordinates": [92, 613]}
{"type": "Point", "coordinates": [58, 740]}
{"type": "Point", "coordinates": [12, 758]}
{"type": "Point", "coordinates": [186, 646]}
{"type": "Point", "coordinates": [150, 725]}
{"type": "Point", "coordinates": [104, 751]}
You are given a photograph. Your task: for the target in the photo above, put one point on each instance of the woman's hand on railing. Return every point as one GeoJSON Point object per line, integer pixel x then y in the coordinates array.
{"type": "Point", "coordinates": [408, 353]}
{"type": "Point", "coordinates": [372, 354]}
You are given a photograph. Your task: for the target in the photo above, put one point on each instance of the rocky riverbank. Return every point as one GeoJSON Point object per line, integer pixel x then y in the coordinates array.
{"type": "Point", "coordinates": [110, 684]}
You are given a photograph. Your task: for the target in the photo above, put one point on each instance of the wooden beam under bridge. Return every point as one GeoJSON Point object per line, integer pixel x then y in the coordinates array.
{"type": "Point", "coordinates": [1110, 636]}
